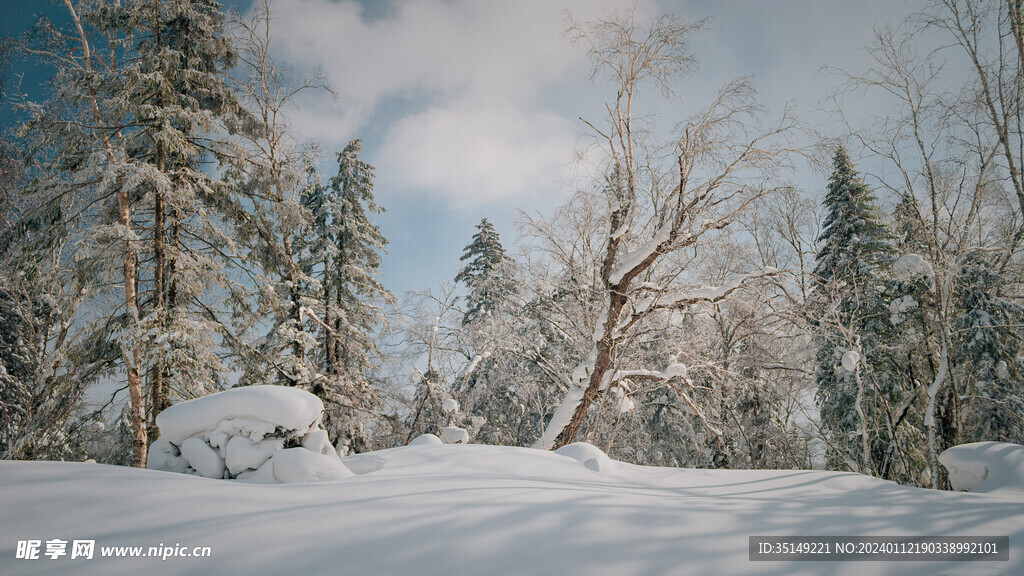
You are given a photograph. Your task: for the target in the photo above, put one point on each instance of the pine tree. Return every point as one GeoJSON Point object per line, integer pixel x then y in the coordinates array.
{"type": "Point", "coordinates": [486, 275]}
{"type": "Point", "coordinates": [990, 343]}
{"type": "Point", "coordinates": [137, 114]}
{"type": "Point", "coordinates": [850, 273]}
{"type": "Point", "coordinates": [349, 251]}
{"type": "Point", "coordinates": [175, 90]}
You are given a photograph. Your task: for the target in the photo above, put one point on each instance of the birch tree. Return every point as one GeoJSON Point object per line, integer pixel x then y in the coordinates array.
{"type": "Point", "coordinates": [722, 158]}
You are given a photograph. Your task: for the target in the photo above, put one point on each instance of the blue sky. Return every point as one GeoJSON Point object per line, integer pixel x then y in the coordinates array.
{"type": "Point", "coordinates": [470, 109]}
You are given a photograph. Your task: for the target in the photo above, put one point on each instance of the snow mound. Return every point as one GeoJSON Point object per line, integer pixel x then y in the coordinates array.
{"type": "Point", "coordinates": [587, 454]}
{"type": "Point", "coordinates": [454, 435]}
{"type": "Point", "coordinates": [985, 467]}
{"type": "Point", "coordinates": [258, 434]}
{"type": "Point", "coordinates": [425, 440]}
{"type": "Point", "coordinates": [289, 408]}
{"type": "Point", "coordinates": [302, 465]}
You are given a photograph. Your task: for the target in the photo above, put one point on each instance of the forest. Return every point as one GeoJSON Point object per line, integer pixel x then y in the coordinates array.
{"type": "Point", "coordinates": [165, 233]}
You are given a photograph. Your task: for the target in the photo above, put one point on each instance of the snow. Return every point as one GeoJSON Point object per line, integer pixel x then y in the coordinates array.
{"type": "Point", "coordinates": [241, 453]}
{"type": "Point", "coordinates": [632, 259]}
{"type": "Point", "coordinates": [850, 360]}
{"type": "Point", "coordinates": [454, 435]}
{"type": "Point", "coordinates": [425, 440]}
{"type": "Point", "coordinates": [560, 419]}
{"type": "Point", "coordinates": [473, 364]}
{"type": "Point", "coordinates": [668, 299]}
{"type": "Point", "coordinates": [289, 408]}
{"type": "Point", "coordinates": [991, 467]}
{"type": "Point", "coordinates": [473, 509]}
{"type": "Point", "coordinates": [202, 458]}
{"type": "Point", "coordinates": [317, 441]}
{"type": "Point", "coordinates": [163, 456]}
{"type": "Point", "coordinates": [672, 371]}
{"type": "Point", "coordinates": [301, 465]}
{"type": "Point", "coordinates": [910, 268]}
{"type": "Point", "coordinates": [244, 431]}
{"type": "Point", "coordinates": [675, 370]}
{"type": "Point", "coordinates": [450, 406]}
{"type": "Point", "coordinates": [1002, 370]}
{"type": "Point", "coordinates": [623, 401]}
{"type": "Point", "coordinates": [899, 307]}
{"type": "Point", "coordinates": [587, 454]}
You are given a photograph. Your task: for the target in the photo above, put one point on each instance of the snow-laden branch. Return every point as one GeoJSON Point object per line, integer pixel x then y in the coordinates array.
{"type": "Point", "coordinates": [670, 375]}
{"type": "Point", "coordinates": [636, 258]}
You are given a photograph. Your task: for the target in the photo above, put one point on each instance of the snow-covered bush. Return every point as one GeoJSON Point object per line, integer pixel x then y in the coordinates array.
{"type": "Point", "coordinates": [255, 433]}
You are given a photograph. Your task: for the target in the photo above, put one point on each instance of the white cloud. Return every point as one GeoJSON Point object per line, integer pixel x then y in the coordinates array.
{"type": "Point", "coordinates": [471, 152]}
{"type": "Point", "coordinates": [478, 72]}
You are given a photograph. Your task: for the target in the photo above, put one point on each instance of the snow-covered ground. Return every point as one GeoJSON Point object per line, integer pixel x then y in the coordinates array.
{"type": "Point", "coordinates": [246, 482]}
{"type": "Point", "coordinates": [471, 509]}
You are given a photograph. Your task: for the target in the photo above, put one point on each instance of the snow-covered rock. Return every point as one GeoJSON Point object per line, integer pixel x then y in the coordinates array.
{"type": "Point", "coordinates": [163, 456]}
{"type": "Point", "coordinates": [425, 440]}
{"type": "Point", "coordinates": [301, 465]}
{"type": "Point", "coordinates": [284, 406]}
{"type": "Point", "coordinates": [244, 431]}
{"type": "Point", "coordinates": [203, 459]}
{"type": "Point", "coordinates": [242, 453]}
{"type": "Point", "coordinates": [454, 435]}
{"type": "Point", "coordinates": [589, 455]}
{"type": "Point", "coordinates": [318, 442]}
{"type": "Point", "coordinates": [985, 467]}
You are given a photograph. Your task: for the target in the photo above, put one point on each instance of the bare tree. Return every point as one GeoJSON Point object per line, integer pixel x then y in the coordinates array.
{"type": "Point", "coordinates": [722, 159]}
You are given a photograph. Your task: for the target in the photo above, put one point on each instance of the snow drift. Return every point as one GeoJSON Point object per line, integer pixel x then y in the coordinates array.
{"type": "Point", "coordinates": [985, 467]}
{"type": "Point", "coordinates": [469, 509]}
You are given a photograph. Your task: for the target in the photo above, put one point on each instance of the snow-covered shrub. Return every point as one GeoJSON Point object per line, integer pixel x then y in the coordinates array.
{"type": "Point", "coordinates": [255, 433]}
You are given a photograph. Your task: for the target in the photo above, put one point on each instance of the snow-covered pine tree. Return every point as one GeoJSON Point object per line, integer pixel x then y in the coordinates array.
{"type": "Point", "coordinates": [487, 273]}
{"type": "Point", "coordinates": [348, 310]}
{"type": "Point", "coordinates": [274, 173]}
{"type": "Point", "coordinates": [908, 360]}
{"type": "Point", "coordinates": [176, 95]}
{"type": "Point", "coordinates": [850, 273]}
{"type": "Point", "coordinates": [988, 344]}
{"type": "Point", "coordinates": [134, 120]}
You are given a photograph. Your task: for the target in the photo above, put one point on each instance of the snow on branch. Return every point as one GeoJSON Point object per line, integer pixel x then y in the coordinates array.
{"type": "Point", "coordinates": [664, 299]}
{"type": "Point", "coordinates": [669, 376]}
{"type": "Point", "coordinates": [635, 258]}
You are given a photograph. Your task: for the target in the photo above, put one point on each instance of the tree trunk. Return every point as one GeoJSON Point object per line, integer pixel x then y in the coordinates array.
{"type": "Point", "coordinates": [133, 359]}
